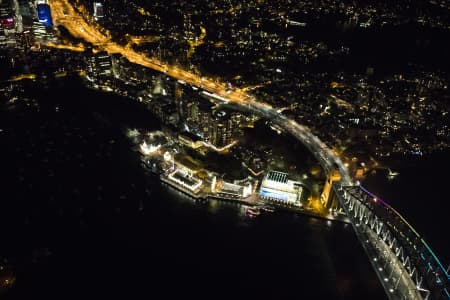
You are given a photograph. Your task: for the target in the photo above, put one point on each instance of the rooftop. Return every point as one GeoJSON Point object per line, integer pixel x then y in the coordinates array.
{"type": "Point", "coordinates": [277, 176]}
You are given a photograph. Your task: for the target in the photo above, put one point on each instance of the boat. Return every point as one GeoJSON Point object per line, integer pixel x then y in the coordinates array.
{"type": "Point", "coordinates": [253, 212]}
{"type": "Point", "coordinates": [392, 174]}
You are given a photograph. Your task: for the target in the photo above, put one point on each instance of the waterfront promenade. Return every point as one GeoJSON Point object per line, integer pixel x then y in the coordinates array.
{"type": "Point", "coordinates": [255, 201]}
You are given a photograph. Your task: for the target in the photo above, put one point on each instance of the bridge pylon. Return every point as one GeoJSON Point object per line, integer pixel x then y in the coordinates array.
{"type": "Point", "coordinates": [327, 198]}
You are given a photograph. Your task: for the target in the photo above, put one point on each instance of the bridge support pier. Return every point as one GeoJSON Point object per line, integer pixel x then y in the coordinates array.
{"type": "Point", "coordinates": [328, 197]}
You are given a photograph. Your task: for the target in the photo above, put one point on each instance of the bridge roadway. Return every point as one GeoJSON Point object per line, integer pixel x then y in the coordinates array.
{"type": "Point", "coordinates": [376, 248]}
{"type": "Point", "coordinates": [325, 156]}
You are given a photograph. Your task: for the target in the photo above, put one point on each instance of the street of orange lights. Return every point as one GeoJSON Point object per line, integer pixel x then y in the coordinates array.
{"type": "Point", "coordinates": [65, 14]}
{"type": "Point", "coordinates": [85, 28]}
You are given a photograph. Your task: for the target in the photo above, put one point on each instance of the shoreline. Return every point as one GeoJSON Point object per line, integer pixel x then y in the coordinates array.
{"type": "Point", "coordinates": [208, 197]}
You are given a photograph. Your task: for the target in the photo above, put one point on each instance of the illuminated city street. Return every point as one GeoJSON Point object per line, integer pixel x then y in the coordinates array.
{"type": "Point", "coordinates": [222, 144]}
{"type": "Point", "coordinates": [65, 14]}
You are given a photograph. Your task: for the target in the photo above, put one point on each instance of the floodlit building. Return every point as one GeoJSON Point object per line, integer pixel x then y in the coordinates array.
{"type": "Point", "coordinates": [6, 15]}
{"type": "Point", "coordinates": [41, 33]}
{"type": "Point", "coordinates": [218, 128]}
{"type": "Point", "coordinates": [224, 129]}
{"type": "Point", "coordinates": [233, 190]}
{"type": "Point", "coordinates": [44, 14]}
{"type": "Point", "coordinates": [100, 68]}
{"type": "Point", "coordinates": [278, 187]}
{"type": "Point", "coordinates": [186, 180]}
{"type": "Point", "coordinates": [8, 24]}
{"type": "Point", "coordinates": [98, 10]}
{"type": "Point", "coordinates": [147, 149]}
{"type": "Point", "coordinates": [159, 87]}
{"type": "Point", "coordinates": [220, 134]}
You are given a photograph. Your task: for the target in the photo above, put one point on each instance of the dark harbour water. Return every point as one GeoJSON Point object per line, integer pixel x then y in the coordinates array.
{"type": "Point", "coordinates": [72, 227]}
{"type": "Point", "coordinates": [420, 194]}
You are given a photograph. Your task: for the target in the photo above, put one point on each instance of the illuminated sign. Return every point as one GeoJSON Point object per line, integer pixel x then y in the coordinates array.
{"type": "Point", "coordinates": [44, 14]}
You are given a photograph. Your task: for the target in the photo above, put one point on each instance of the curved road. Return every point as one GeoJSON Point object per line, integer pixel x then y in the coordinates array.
{"type": "Point", "coordinates": [65, 14]}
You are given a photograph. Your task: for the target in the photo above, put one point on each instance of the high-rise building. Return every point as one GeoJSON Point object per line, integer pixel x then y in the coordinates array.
{"type": "Point", "coordinates": [218, 127]}
{"type": "Point", "coordinates": [8, 25]}
{"type": "Point", "coordinates": [100, 67]}
{"type": "Point", "coordinates": [159, 87]}
{"type": "Point", "coordinates": [198, 117]}
{"type": "Point", "coordinates": [179, 103]}
{"type": "Point", "coordinates": [41, 33]}
{"type": "Point", "coordinates": [44, 14]}
{"type": "Point", "coordinates": [98, 10]}
{"type": "Point", "coordinates": [204, 118]}
{"type": "Point", "coordinates": [188, 27]}
{"type": "Point", "coordinates": [6, 15]}
{"type": "Point", "coordinates": [222, 129]}
{"type": "Point", "coordinates": [192, 114]}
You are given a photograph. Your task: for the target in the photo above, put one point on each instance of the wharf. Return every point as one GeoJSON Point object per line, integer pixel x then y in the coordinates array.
{"type": "Point", "coordinates": [208, 196]}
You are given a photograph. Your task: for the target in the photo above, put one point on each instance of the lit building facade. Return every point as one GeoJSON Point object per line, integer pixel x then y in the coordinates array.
{"type": "Point", "coordinates": [41, 33]}
{"type": "Point", "coordinates": [186, 180]}
{"type": "Point", "coordinates": [221, 129]}
{"type": "Point", "coordinates": [234, 191]}
{"type": "Point", "coordinates": [100, 68]}
{"type": "Point", "coordinates": [6, 15]}
{"type": "Point", "coordinates": [277, 186]}
{"type": "Point", "coordinates": [44, 14]}
{"type": "Point", "coordinates": [98, 10]}
{"type": "Point", "coordinates": [218, 128]}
